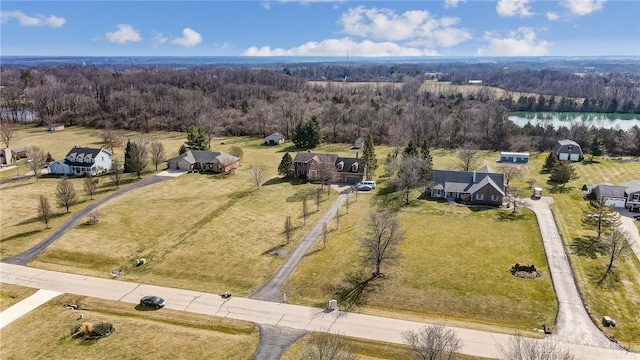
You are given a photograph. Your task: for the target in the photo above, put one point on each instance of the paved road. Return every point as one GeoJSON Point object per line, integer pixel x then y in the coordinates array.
{"type": "Point", "coordinates": [478, 343]}
{"type": "Point", "coordinates": [274, 340]}
{"type": "Point", "coordinates": [271, 290]}
{"type": "Point", "coordinates": [25, 257]}
{"type": "Point", "coordinates": [628, 226]}
{"type": "Point", "coordinates": [573, 324]}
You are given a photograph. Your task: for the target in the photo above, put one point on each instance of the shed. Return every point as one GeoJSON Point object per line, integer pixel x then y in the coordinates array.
{"type": "Point", "coordinates": [359, 143]}
{"type": "Point", "coordinates": [56, 127]}
{"type": "Point", "coordinates": [274, 139]}
{"type": "Point", "coordinates": [514, 157]}
{"type": "Point", "coordinates": [567, 150]}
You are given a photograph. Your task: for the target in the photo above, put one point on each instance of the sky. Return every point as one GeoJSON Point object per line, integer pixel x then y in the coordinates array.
{"type": "Point", "coordinates": [447, 28]}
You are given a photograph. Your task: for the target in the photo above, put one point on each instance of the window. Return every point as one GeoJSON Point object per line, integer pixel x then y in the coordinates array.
{"type": "Point", "coordinates": [479, 196]}
{"type": "Point", "coordinates": [636, 197]}
{"type": "Point", "coordinates": [570, 148]}
{"type": "Point", "coordinates": [494, 197]}
{"type": "Point", "coordinates": [340, 165]}
{"type": "Point", "coordinates": [354, 167]}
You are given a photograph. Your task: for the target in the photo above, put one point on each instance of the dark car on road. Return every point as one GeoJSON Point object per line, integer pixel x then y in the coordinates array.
{"type": "Point", "coordinates": [152, 301]}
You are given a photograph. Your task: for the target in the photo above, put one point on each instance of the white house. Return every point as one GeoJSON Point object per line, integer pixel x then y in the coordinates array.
{"type": "Point", "coordinates": [81, 160]}
{"type": "Point", "coordinates": [274, 139]}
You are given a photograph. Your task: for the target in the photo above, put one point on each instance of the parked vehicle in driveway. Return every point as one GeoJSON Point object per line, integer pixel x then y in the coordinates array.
{"type": "Point", "coordinates": [369, 183]}
{"type": "Point", "coordinates": [363, 187]}
{"type": "Point", "coordinates": [152, 301]}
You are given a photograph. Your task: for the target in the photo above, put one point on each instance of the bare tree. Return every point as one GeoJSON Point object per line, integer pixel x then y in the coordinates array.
{"type": "Point", "coordinates": [236, 151]}
{"type": "Point", "coordinates": [411, 175]}
{"type": "Point", "coordinates": [601, 217]}
{"type": "Point", "coordinates": [66, 193]}
{"type": "Point", "coordinates": [514, 196]}
{"type": "Point", "coordinates": [510, 172]}
{"type": "Point", "coordinates": [380, 245]}
{"type": "Point", "coordinates": [117, 172]}
{"type": "Point", "coordinates": [111, 139]}
{"type": "Point", "coordinates": [432, 342]}
{"type": "Point", "coordinates": [90, 184]}
{"type": "Point", "coordinates": [157, 153]}
{"type": "Point", "coordinates": [521, 348]}
{"type": "Point", "coordinates": [258, 175]}
{"type": "Point", "coordinates": [326, 347]}
{"type": "Point", "coordinates": [617, 247]}
{"type": "Point", "coordinates": [93, 217]}
{"type": "Point", "coordinates": [326, 173]}
{"type": "Point", "coordinates": [469, 158]}
{"type": "Point", "coordinates": [338, 219]}
{"type": "Point", "coordinates": [7, 132]}
{"type": "Point", "coordinates": [36, 159]}
{"type": "Point", "coordinates": [324, 235]}
{"type": "Point", "coordinates": [318, 198]}
{"type": "Point", "coordinates": [44, 210]}
{"type": "Point", "coordinates": [288, 228]}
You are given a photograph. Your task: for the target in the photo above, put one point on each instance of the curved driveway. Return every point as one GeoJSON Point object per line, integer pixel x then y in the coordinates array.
{"type": "Point", "coordinates": [573, 324]}
{"type": "Point", "coordinates": [25, 257]}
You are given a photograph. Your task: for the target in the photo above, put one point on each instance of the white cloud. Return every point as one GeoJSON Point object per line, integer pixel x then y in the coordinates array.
{"type": "Point", "coordinates": [414, 25]}
{"type": "Point", "coordinates": [521, 42]}
{"type": "Point", "coordinates": [160, 39]}
{"type": "Point", "coordinates": [37, 20]}
{"type": "Point", "coordinates": [265, 5]}
{"type": "Point", "coordinates": [340, 47]}
{"type": "Point", "coordinates": [189, 38]}
{"type": "Point", "coordinates": [452, 3]}
{"type": "Point", "coordinates": [583, 7]}
{"type": "Point", "coordinates": [125, 33]}
{"type": "Point", "coordinates": [507, 8]}
{"type": "Point", "coordinates": [552, 16]}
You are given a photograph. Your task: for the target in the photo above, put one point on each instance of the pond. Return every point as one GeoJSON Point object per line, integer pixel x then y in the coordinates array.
{"type": "Point", "coordinates": [557, 119]}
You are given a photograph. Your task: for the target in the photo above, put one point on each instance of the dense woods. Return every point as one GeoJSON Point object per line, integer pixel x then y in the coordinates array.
{"type": "Point", "coordinates": [393, 105]}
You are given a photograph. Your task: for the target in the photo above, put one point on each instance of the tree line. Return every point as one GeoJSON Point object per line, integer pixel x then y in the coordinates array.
{"type": "Point", "coordinates": [256, 102]}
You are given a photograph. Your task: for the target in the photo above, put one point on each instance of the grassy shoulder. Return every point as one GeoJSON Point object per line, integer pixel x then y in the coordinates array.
{"type": "Point", "coordinates": [12, 294]}
{"type": "Point", "coordinates": [45, 333]}
{"type": "Point", "coordinates": [619, 301]}
{"type": "Point", "coordinates": [364, 350]}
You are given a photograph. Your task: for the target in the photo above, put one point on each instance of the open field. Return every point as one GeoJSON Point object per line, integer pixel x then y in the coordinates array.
{"type": "Point", "coordinates": [12, 294]}
{"type": "Point", "coordinates": [167, 334]}
{"type": "Point", "coordinates": [364, 350]}
{"type": "Point", "coordinates": [619, 302]}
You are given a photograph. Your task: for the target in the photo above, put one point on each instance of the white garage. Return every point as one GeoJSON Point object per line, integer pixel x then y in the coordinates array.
{"type": "Point", "coordinates": [567, 150]}
{"type": "Point", "coordinates": [612, 195]}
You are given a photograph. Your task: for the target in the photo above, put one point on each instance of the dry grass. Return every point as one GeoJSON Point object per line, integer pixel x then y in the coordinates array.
{"type": "Point", "coordinates": [365, 350]}
{"type": "Point", "coordinates": [45, 334]}
{"type": "Point", "coordinates": [203, 232]}
{"type": "Point", "coordinates": [621, 301]}
{"type": "Point", "coordinates": [452, 259]}
{"type": "Point", "coordinates": [11, 294]}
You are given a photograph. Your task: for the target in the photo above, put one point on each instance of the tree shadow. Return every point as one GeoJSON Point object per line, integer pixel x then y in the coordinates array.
{"type": "Point", "coordinates": [510, 216]}
{"type": "Point", "coordinates": [37, 219]}
{"type": "Point", "coordinates": [555, 189]}
{"type": "Point", "coordinates": [587, 247]}
{"type": "Point", "coordinates": [20, 235]}
{"type": "Point", "coordinates": [278, 250]}
{"type": "Point", "coordinates": [356, 288]}
{"type": "Point", "coordinates": [290, 148]}
{"type": "Point", "coordinates": [276, 181]}
{"type": "Point", "coordinates": [300, 195]}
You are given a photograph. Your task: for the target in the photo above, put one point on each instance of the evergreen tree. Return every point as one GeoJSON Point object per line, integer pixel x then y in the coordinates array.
{"type": "Point", "coordinates": [596, 148]}
{"type": "Point", "coordinates": [550, 162]}
{"type": "Point", "coordinates": [183, 149]}
{"type": "Point", "coordinates": [128, 167]}
{"type": "Point", "coordinates": [411, 150]}
{"type": "Point", "coordinates": [369, 159]}
{"type": "Point", "coordinates": [286, 167]}
{"type": "Point", "coordinates": [425, 152]}
{"type": "Point", "coordinates": [563, 173]}
{"type": "Point", "coordinates": [197, 139]}
{"type": "Point", "coordinates": [307, 134]}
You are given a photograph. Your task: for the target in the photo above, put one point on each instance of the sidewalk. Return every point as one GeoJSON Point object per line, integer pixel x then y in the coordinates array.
{"type": "Point", "coordinates": [23, 307]}
{"type": "Point", "coordinates": [478, 343]}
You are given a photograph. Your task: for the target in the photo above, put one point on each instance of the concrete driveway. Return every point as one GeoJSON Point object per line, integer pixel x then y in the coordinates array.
{"type": "Point", "coordinates": [573, 324]}
{"type": "Point", "coordinates": [628, 226]}
{"type": "Point", "coordinates": [475, 342]}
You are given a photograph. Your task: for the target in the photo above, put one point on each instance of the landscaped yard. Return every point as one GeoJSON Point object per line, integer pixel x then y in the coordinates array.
{"type": "Point", "coordinates": [45, 333]}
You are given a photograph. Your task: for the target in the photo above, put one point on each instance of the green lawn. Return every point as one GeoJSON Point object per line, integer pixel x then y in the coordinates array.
{"type": "Point", "coordinates": [44, 333]}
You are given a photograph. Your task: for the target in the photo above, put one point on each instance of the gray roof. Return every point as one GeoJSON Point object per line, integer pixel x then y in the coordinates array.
{"type": "Point", "coordinates": [348, 163]}
{"type": "Point", "coordinates": [564, 142]}
{"type": "Point", "coordinates": [83, 153]}
{"type": "Point", "coordinates": [275, 136]}
{"type": "Point", "coordinates": [462, 181]}
{"type": "Point", "coordinates": [320, 157]}
{"type": "Point", "coordinates": [610, 191]}
{"type": "Point", "coordinates": [206, 157]}
{"type": "Point", "coordinates": [632, 186]}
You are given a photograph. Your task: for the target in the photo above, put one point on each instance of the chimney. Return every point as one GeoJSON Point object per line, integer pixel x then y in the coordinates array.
{"type": "Point", "coordinates": [356, 154]}
{"type": "Point", "coordinates": [474, 176]}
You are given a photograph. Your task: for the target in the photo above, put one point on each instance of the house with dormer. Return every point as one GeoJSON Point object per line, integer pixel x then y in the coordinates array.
{"type": "Point", "coordinates": [309, 165]}
{"type": "Point", "coordinates": [482, 187]}
{"type": "Point", "coordinates": [81, 160]}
